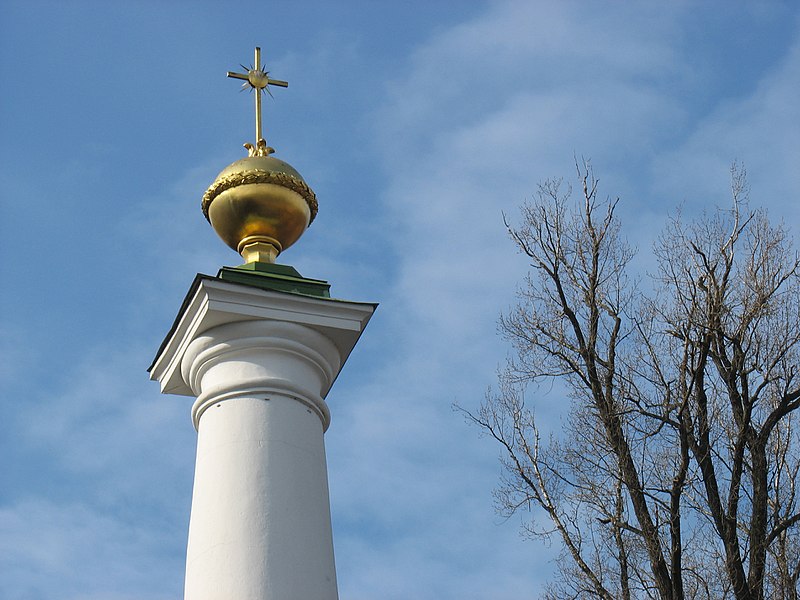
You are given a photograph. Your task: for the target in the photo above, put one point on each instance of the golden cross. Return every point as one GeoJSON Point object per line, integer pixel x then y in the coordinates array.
{"type": "Point", "coordinates": [258, 80]}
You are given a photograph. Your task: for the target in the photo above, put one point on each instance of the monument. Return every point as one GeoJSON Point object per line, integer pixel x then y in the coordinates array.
{"type": "Point", "coordinates": [259, 347]}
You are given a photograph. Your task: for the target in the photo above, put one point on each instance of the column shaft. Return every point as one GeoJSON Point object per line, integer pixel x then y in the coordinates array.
{"type": "Point", "coordinates": [260, 524]}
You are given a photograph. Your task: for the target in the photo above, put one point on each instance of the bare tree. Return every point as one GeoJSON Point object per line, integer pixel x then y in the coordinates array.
{"type": "Point", "coordinates": [675, 474]}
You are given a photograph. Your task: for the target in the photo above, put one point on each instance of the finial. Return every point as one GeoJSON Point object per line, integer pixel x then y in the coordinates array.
{"type": "Point", "coordinates": [259, 205]}
{"type": "Point", "coordinates": [257, 78]}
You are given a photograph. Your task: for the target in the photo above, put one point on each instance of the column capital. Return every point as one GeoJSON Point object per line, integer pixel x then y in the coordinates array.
{"type": "Point", "coordinates": [212, 303]}
{"type": "Point", "coordinates": [260, 359]}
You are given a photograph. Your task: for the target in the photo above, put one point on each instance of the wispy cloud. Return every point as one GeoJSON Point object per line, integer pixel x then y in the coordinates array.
{"type": "Point", "coordinates": [428, 155]}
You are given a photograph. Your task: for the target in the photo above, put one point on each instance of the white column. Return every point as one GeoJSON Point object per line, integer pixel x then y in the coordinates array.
{"type": "Point", "coordinates": [260, 525]}
{"type": "Point", "coordinates": [260, 363]}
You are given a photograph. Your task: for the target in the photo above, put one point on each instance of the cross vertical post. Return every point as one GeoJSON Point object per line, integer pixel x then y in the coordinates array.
{"type": "Point", "coordinates": [257, 62]}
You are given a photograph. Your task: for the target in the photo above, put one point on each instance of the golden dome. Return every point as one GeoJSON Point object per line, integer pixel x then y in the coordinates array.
{"type": "Point", "coordinates": [259, 206]}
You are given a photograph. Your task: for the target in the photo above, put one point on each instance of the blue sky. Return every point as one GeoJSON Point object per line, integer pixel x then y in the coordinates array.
{"type": "Point", "coordinates": [417, 124]}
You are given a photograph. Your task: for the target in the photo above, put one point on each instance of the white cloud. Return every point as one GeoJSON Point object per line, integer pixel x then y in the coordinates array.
{"type": "Point", "coordinates": [759, 130]}
{"type": "Point", "coordinates": [57, 549]}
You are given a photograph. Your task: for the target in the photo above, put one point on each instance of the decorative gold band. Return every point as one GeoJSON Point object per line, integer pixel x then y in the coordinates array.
{"type": "Point", "coordinates": [261, 176]}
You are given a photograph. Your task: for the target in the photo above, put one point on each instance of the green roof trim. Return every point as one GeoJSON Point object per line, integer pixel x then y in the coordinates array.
{"type": "Point", "coordinates": [280, 278]}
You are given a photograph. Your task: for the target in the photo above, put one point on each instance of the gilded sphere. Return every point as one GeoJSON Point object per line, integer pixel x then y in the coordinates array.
{"type": "Point", "coordinates": [259, 198]}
